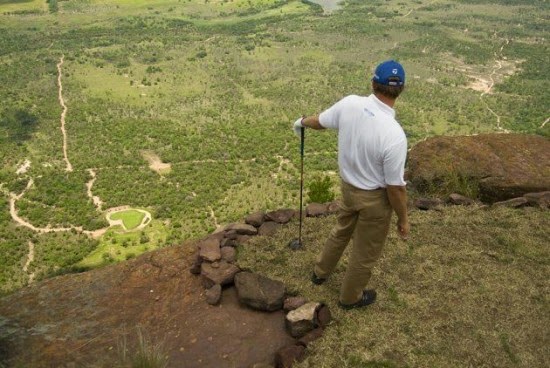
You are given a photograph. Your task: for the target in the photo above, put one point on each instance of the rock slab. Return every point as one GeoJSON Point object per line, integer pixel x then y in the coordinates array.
{"type": "Point", "coordinates": [541, 199]}
{"type": "Point", "coordinates": [243, 229]}
{"type": "Point", "coordinates": [316, 210]}
{"type": "Point", "coordinates": [209, 250]}
{"type": "Point", "coordinates": [287, 356]}
{"type": "Point", "coordinates": [503, 166]}
{"type": "Point", "coordinates": [513, 203]}
{"type": "Point", "coordinates": [259, 292]}
{"type": "Point", "coordinates": [281, 216]}
{"type": "Point", "coordinates": [221, 273]}
{"type": "Point", "coordinates": [255, 219]}
{"type": "Point", "coordinates": [323, 316]}
{"type": "Point", "coordinates": [268, 228]}
{"type": "Point", "coordinates": [229, 254]}
{"type": "Point", "coordinates": [293, 302]}
{"type": "Point", "coordinates": [427, 203]}
{"type": "Point", "coordinates": [214, 294]}
{"type": "Point", "coordinates": [302, 320]}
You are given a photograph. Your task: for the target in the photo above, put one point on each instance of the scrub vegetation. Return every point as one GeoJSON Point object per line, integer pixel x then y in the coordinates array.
{"type": "Point", "coordinates": [209, 89]}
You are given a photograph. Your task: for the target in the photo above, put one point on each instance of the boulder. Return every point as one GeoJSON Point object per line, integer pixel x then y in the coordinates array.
{"type": "Point", "coordinates": [323, 316]}
{"type": "Point", "coordinates": [293, 303]}
{"type": "Point", "coordinates": [498, 166]}
{"type": "Point", "coordinates": [302, 320]}
{"type": "Point", "coordinates": [242, 239]}
{"type": "Point", "coordinates": [281, 216]}
{"type": "Point", "coordinates": [311, 336]}
{"type": "Point", "coordinates": [243, 229]}
{"type": "Point", "coordinates": [231, 234]}
{"type": "Point", "coordinates": [209, 249]}
{"type": "Point", "coordinates": [512, 203]}
{"type": "Point", "coordinates": [460, 200]}
{"type": "Point", "coordinates": [196, 266]}
{"type": "Point", "coordinates": [541, 199]}
{"type": "Point", "coordinates": [228, 243]}
{"type": "Point", "coordinates": [216, 235]}
{"type": "Point", "coordinates": [255, 219]}
{"type": "Point", "coordinates": [214, 294]}
{"type": "Point", "coordinates": [229, 254]}
{"type": "Point", "coordinates": [427, 203]}
{"type": "Point", "coordinates": [259, 292]}
{"type": "Point", "coordinates": [287, 356]}
{"type": "Point", "coordinates": [333, 207]}
{"type": "Point", "coordinates": [221, 273]}
{"type": "Point", "coordinates": [268, 228]}
{"type": "Point", "coordinates": [316, 210]}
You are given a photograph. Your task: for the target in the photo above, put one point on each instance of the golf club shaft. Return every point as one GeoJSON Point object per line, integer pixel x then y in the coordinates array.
{"type": "Point", "coordinates": [302, 137]}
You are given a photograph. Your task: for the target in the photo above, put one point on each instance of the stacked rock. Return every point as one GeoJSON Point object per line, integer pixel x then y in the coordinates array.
{"type": "Point", "coordinates": [215, 259]}
{"type": "Point", "coordinates": [215, 262]}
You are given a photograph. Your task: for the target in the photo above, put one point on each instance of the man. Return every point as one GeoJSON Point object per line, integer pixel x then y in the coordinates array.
{"type": "Point", "coordinates": [372, 149]}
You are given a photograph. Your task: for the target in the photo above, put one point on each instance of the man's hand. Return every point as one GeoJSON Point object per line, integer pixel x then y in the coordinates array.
{"type": "Point", "coordinates": [403, 228]}
{"type": "Point", "coordinates": [397, 195]}
{"type": "Point", "coordinates": [298, 127]}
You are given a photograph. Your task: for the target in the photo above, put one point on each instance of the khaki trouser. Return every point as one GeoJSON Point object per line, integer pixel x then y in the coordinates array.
{"type": "Point", "coordinates": [366, 215]}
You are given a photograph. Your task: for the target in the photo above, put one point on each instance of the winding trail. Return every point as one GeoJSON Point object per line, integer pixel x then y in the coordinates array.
{"type": "Point", "coordinates": [13, 212]}
{"type": "Point", "coordinates": [30, 258]}
{"type": "Point", "coordinates": [95, 199]}
{"type": "Point", "coordinates": [543, 124]}
{"type": "Point", "coordinates": [491, 85]}
{"type": "Point", "coordinates": [213, 216]}
{"type": "Point", "coordinates": [68, 167]}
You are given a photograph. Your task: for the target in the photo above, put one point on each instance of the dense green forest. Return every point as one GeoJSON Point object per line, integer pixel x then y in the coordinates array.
{"type": "Point", "coordinates": [211, 88]}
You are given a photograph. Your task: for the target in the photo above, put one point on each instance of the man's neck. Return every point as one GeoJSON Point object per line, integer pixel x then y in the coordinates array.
{"type": "Point", "coordinates": [388, 101]}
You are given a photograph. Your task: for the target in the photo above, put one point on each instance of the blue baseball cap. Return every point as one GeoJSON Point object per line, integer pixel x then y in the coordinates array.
{"type": "Point", "coordinates": [389, 73]}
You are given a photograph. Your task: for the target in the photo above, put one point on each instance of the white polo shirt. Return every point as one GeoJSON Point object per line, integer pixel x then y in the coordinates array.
{"type": "Point", "coordinates": [372, 146]}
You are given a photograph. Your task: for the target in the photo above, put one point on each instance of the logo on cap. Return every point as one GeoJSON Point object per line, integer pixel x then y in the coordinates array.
{"type": "Point", "coordinates": [389, 73]}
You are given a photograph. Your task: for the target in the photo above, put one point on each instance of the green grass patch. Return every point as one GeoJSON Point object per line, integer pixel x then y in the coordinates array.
{"type": "Point", "coordinates": [117, 245]}
{"type": "Point", "coordinates": [130, 218]}
{"type": "Point", "coordinates": [453, 295]}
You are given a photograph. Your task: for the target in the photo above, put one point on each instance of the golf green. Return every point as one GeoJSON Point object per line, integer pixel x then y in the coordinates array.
{"type": "Point", "coordinates": [130, 218]}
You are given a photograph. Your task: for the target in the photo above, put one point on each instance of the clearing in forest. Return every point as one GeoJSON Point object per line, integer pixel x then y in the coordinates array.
{"type": "Point", "coordinates": [155, 163]}
{"type": "Point", "coordinates": [130, 219]}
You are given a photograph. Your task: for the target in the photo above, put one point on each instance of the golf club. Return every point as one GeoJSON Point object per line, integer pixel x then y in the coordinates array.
{"type": "Point", "coordinates": [297, 243]}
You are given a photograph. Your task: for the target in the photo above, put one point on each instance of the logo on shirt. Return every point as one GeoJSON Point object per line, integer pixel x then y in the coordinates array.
{"type": "Point", "coordinates": [369, 113]}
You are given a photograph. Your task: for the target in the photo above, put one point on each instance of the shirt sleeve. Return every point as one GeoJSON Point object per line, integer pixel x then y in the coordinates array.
{"type": "Point", "coordinates": [330, 118]}
{"type": "Point", "coordinates": [394, 164]}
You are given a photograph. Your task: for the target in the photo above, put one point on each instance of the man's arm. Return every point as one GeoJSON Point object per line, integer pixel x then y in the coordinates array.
{"type": "Point", "coordinates": [312, 122]}
{"type": "Point", "coordinates": [397, 196]}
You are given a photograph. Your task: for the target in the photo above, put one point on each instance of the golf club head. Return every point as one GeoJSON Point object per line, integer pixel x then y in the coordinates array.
{"type": "Point", "coordinates": [295, 244]}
